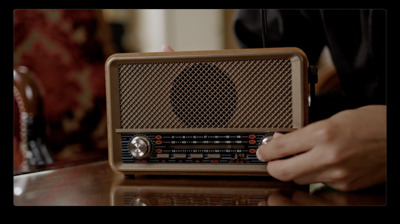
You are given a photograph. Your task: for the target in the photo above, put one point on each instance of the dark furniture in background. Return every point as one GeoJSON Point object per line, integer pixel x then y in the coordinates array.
{"type": "Point", "coordinates": [59, 90]}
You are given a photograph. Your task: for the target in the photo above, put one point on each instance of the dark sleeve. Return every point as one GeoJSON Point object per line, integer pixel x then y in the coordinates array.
{"type": "Point", "coordinates": [286, 28]}
{"type": "Point", "coordinates": [357, 41]}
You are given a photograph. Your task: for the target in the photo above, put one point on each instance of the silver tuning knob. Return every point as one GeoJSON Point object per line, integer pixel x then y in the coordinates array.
{"type": "Point", "coordinates": [139, 201]}
{"type": "Point", "coordinates": [266, 139]}
{"type": "Point", "coordinates": [140, 147]}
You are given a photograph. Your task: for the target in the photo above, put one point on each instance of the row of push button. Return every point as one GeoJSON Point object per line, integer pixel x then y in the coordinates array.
{"type": "Point", "coordinates": [191, 155]}
{"type": "Point", "coordinates": [206, 142]}
{"type": "Point", "coordinates": [252, 136]}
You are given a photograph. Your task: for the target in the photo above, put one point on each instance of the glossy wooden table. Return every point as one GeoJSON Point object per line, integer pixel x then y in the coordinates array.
{"type": "Point", "coordinates": [96, 184]}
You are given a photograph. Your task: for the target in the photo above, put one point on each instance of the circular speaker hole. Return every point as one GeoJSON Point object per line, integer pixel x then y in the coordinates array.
{"type": "Point", "coordinates": [203, 96]}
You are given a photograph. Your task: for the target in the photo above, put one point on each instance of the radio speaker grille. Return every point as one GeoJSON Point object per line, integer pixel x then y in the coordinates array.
{"type": "Point", "coordinates": [206, 94]}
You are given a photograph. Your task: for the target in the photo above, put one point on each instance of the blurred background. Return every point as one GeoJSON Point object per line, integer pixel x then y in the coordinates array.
{"type": "Point", "coordinates": [59, 88]}
{"type": "Point", "coordinates": [147, 30]}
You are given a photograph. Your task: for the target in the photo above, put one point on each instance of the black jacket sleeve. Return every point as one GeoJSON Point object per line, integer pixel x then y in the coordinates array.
{"type": "Point", "coordinates": [286, 28]}
{"type": "Point", "coordinates": [356, 39]}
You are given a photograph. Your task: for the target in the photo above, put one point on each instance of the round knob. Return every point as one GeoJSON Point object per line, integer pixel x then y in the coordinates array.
{"type": "Point", "coordinates": [138, 201]}
{"type": "Point", "coordinates": [266, 139]}
{"type": "Point", "coordinates": [140, 147]}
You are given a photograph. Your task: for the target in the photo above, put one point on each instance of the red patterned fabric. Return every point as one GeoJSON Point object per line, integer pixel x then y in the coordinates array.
{"type": "Point", "coordinates": [66, 50]}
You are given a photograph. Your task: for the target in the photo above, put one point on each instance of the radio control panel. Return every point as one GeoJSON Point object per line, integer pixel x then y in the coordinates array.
{"type": "Point", "coordinates": [196, 148]}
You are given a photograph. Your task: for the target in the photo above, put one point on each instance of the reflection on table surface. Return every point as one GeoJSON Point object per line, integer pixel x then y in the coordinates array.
{"type": "Point", "coordinates": [97, 184]}
{"type": "Point", "coordinates": [195, 191]}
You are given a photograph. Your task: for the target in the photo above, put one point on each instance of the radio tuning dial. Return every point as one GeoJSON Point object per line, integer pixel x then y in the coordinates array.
{"type": "Point", "coordinates": [140, 147]}
{"type": "Point", "coordinates": [266, 139]}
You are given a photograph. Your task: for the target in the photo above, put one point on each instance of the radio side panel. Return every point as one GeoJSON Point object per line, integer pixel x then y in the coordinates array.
{"type": "Point", "coordinates": [113, 118]}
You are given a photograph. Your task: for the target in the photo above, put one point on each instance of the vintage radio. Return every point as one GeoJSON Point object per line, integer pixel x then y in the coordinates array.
{"type": "Point", "coordinates": [202, 112]}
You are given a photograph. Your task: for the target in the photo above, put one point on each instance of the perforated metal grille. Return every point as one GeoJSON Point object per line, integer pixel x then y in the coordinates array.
{"type": "Point", "coordinates": [207, 94]}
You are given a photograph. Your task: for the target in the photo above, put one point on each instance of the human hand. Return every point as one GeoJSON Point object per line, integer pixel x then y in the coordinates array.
{"type": "Point", "coordinates": [346, 151]}
{"type": "Point", "coordinates": [166, 48]}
